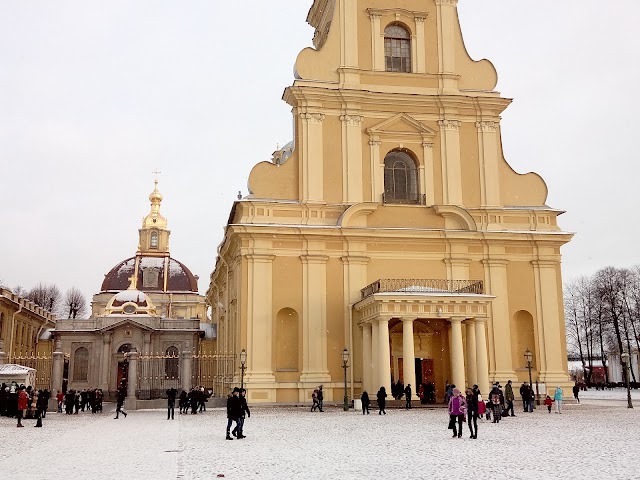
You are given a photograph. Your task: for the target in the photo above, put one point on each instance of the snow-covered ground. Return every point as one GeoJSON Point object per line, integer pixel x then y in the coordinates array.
{"type": "Point", "coordinates": [599, 436]}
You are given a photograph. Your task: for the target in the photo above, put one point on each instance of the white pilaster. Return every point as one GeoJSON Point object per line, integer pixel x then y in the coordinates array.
{"type": "Point", "coordinates": [408, 353]}
{"type": "Point", "coordinates": [471, 360]}
{"type": "Point", "coordinates": [384, 354]}
{"type": "Point", "coordinates": [451, 166]}
{"type": "Point", "coordinates": [457, 353]}
{"type": "Point", "coordinates": [351, 158]}
{"type": "Point", "coordinates": [312, 157]}
{"type": "Point", "coordinates": [481, 356]}
{"type": "Point", "coordinates": [367, 364]}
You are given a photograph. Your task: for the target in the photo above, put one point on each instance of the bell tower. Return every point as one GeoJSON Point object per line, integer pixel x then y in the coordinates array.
{"type": "Point", "coordinates": [154, 234]}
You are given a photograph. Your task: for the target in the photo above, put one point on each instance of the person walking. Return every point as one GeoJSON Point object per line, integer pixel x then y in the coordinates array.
{"type": "Point", "coordinates": [473, 410]}
{"type": "Point", "coordinates": [120, 396]}
{"type": "Point", "coordinates": [557, 398]}
{"type": "Point", "coordinates": [548, 402]}
{"type": "Point", "coordinates": [23, 404]}
{"type": "Point", "coordinates": [234, 410]}
{"type": "Point", "coordinates": [320, 399]}
{"type": "Point", "coordinates": [364, 398]}
{"type": "Point", "coordinates": [407, 394]}
{"type": "Point", "coordinates": [494, 397]}
{"type": "Point", "coordinates": [172, 393]}
{"type": "Point", "coordinates": [576, 392]}
{"type": "Point", "coordinates": [524, 393]}
{"type": "Point", "coordinates": [457, 410]}
{"type": "Point", "coordinates": [244, 408]}
{"type": "Point", "coordinates": [314, 400]}
{"type": "Point", "coordinates": [382, 400]}
{"type": "Point", "coordinates": [509, 397]}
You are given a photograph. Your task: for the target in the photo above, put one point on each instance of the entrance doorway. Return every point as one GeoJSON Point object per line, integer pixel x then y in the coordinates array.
{"type": "Point", "coordinates": [424, 371]}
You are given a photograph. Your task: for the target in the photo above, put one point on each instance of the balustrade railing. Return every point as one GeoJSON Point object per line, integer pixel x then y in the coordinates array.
{"type": "Point", "coordinates": [422, 285]}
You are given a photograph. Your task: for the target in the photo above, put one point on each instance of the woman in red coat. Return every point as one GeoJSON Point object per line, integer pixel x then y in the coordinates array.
{"type": "Point", "coordinates": [23, 404]}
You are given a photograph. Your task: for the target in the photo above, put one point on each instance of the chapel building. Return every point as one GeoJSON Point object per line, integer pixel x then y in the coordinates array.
{"type": "Point", "coordinates": [392, 226]}
{"type": "Point", "coordinates": [147, 326]}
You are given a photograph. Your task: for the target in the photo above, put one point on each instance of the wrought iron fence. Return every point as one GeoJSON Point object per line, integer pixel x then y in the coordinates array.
{"type": "Point", "coordinates": [421, 285]}
{"type": "Point", "coordinates": [42, 364]}
{"type": "Point", "coordinates": [214, 371]}
{"type": "Point", "coordinates": [159, 372]}
{"type": "Point", "coordinates": [156, 374]}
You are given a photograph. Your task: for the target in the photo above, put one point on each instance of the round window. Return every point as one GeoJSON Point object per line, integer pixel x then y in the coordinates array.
{"type": "Point", "coordinates": [129, 308]}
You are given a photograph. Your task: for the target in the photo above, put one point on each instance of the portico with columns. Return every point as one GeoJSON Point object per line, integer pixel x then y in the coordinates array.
{"type": "Point", "coordinates": [446, 329]}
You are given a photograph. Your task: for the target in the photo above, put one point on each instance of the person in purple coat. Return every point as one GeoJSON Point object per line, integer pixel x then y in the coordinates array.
{"type": "Point", "coordinates": [457, 410]}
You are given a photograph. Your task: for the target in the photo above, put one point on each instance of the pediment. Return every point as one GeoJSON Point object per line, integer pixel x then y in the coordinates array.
{"type": "Point", "coordinates": [126, 322]}
{"type": "Point", "coordinates": [402, 124]}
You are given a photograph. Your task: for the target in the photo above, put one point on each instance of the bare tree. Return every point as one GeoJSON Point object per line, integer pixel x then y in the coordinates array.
{"type": "Point", "coordinates": [19, 291]}
{"type": "Point", "coordinates": [611, 284]}
{"type": "Point", "coordinates": [45, 296]}
{"type": "Point", "coordinates": [74, 304]}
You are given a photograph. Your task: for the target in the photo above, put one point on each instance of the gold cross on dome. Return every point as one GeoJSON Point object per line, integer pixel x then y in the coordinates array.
{"type": "Point", "coordinates": [132, 282]}
{"type": "Point", "coordinates": [156, 172]}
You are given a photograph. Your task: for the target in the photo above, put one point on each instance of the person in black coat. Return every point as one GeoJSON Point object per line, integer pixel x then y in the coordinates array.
{"type": "Point", "coordinates": [172, 393]}
{"type": "Point", "coordinates": [407, 394]}
{"type": "Point", "coordinates": [472, 412]}
{"type": "Point", "coordinates": [234, 410]}
{"type": "Point", "coordinates": [182, 402]}
{"type": "Point", "coordinates": [364, 398]}
{"type": "Point", "coordinates": [244, 409]}
{"type": "Point", "coordinates": [121, 395]}
{"type": "Point", "coordinates": [382, 400]}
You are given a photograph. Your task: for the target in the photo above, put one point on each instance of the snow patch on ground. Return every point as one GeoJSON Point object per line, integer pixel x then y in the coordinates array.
{"type": "Point", "coordinates": [288, 443]}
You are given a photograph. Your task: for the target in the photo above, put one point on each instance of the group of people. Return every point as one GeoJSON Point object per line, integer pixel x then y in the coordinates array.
{"type": "Point", "coordinates": [74, 401]}
{"type": "Point", "coordinates": [426, 392]}
{"type": "Point", "coordinates": [23, 402]}
{"type": "Point", "coordinates": [237, 411]}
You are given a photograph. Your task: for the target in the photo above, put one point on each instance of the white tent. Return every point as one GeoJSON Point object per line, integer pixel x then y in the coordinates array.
{"type": "Point", "coordinates": [20, 374]}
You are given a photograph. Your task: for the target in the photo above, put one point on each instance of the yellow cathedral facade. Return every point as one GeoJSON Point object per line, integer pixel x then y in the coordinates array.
{"type": "Point", "coordinates": [392, 225]}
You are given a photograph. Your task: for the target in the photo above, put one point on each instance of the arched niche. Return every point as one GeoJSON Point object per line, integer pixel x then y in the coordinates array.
{"type": "Point", "coordinates": [287, 334]}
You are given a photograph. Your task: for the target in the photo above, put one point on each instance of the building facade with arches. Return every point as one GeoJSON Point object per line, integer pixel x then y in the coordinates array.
{"type": "Point", "coordinates": [393, 226]}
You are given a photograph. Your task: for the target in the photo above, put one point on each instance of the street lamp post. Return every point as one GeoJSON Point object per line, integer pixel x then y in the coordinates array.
{"type": "Point", "coordinates": [243, 366]}
{"type": "Point", "coordinates": [345, 360]}
{"type": "Point", "coordinates": [625, 362]}
{"type": "Point", "coordinates": [528, 356]}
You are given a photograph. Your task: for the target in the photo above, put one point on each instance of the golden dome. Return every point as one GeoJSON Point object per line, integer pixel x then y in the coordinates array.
{"type": "Point", "coordinates": [154, 219]}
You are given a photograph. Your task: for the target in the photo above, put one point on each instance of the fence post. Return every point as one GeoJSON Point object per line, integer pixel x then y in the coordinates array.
{"type": "Point", "coordinates": [132, 381]}
{"type": "Point", "coordinates": [186, 370]}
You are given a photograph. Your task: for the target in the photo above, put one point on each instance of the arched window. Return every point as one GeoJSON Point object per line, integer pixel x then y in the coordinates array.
{"type": "Point", "coordinates": [397, 49]}
{"type": "Point", "coordinates": [125, 348]}
{"type": "Point", "coordinates": [400, 178]}
{"type": "Point", "coordinates": [171, 363]}
{"type": "Point", "coordinates": [153, 243]}
{"type": "Point", "coordinates": [81, 365]}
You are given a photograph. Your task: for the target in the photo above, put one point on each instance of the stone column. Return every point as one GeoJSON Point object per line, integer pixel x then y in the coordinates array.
{"type": "Point", "coordinates": [105, 361]}
{"type": "Point", "coordinates": [132, 381]}
{"type": "Point", "coordinates": [366, 357]}
{"type": "Point", "coordinates": [57, 369]}
{"type": "Point", "coordinates": [482, 364]}
{"type": "Point", "coordinates": [457, 353]}
{"type": "Point", "coordinates": [375, 361]}
{"type": "Point", "coordinates": [472, 366]}
{"type": "Point", "coordinates": [384, 355]}
{"type": "Point", "coordinates": [408, 354]}
{"type": "Point", "coordinates": [186, 373]}
{"type": "Point", "coordinates": [3, 355]}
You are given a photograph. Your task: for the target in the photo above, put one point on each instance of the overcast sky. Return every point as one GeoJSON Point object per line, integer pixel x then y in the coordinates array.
{"type": "Point", "coordinates": [95, 95]}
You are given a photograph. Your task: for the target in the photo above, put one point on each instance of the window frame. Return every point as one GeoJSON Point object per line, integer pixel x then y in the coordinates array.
{"type": "Point", "coordinates": [410, 193]}
{"type": "Point", "coordinates": [396, 44]}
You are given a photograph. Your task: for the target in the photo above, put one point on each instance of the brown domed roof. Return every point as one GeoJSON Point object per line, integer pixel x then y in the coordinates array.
{"type": "Point", "coordinates": [150, 275]}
